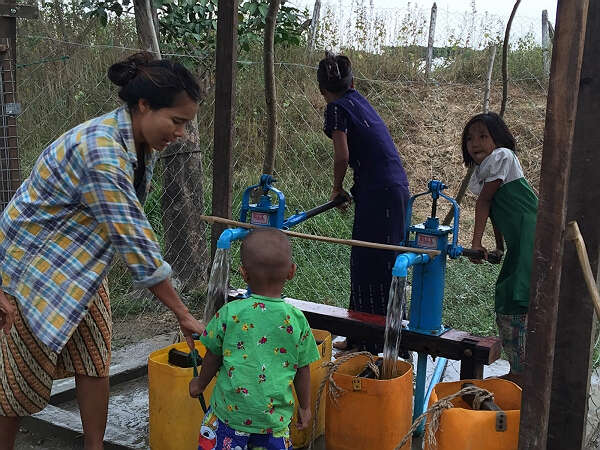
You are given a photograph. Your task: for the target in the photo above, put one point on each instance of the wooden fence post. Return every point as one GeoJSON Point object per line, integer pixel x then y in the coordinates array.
{"type": "Point", "coordinates": [314, 26]}
{"type": "Point", "coordinates": [545, 43]}
{"type": "Point", "coordinates": [227, 24]}
{"type": "Point", "coordinates": [549, 237]}
{"type": "Point", "coordinates": [144, 24]}
{"type": "Point", "coordinates": [10, 170]}
{"type": "Point", "coordinates": [429, 59]}
{"type": "Point", "coordinates": [574, 329]}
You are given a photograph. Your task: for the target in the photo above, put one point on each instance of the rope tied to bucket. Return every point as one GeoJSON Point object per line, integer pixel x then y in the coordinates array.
{"type": "Point", "coordinates": [434, 413]}
{"type": "Point", "coordinates": [334, 390]}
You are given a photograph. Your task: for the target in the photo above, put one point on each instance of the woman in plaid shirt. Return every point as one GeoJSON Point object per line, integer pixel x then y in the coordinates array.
{"type": "Point", "coordinates": [82, 204]}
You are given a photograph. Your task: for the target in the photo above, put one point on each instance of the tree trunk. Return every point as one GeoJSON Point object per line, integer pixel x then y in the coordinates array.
{"type": "Point", "coordinates": [185, 234]}
{"type": "Point", "coordinates": [182, 203]}
{"type": "Point", "coordinates": [505, 59]}
{"type": "Point", "coordinates": [270, 94]}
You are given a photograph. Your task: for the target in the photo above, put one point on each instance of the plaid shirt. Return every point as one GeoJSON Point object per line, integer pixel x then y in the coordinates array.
{"type": "Point", "coordinates": [59, 233]}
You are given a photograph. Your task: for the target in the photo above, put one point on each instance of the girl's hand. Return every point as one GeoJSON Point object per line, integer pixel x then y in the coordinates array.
{"type": "Point", "coordinates": [482, 249]}
{"type": "Point", "coordinates": [495, 256]}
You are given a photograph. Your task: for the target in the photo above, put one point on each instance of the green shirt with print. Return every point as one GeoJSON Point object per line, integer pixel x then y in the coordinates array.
{"type": "Point", "coordinates": [262, 341]}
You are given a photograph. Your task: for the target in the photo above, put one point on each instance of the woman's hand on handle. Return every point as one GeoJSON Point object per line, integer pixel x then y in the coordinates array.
{"type": "Point", "coordinates": [335, 192]}
{"type": "Point", "coordinates": [168, 296]}
{"type": "Point", "coordinates": [189, 325]}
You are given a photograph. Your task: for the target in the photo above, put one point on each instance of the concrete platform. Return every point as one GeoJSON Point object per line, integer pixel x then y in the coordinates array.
{"type": "Point", "coordinates": [59, 425]}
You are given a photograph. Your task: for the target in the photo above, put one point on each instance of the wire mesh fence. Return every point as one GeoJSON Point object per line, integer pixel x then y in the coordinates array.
{"type": "Point", "coordinates": [62, 82]}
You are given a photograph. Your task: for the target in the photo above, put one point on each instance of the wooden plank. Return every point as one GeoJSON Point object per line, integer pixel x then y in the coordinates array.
{"type": "Point", "coordinates": [548, 250]}
{"type": "Point", "coordinates": [224, 114]}
{"type": "Point", "coordinates": [574, 334]}
{"type": "Point", "coordinates": [453, 344]}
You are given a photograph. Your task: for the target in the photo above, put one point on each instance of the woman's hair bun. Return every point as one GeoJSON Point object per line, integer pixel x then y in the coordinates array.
{"type": "Point", "coordinates": [124, 71]}
{"type": "Point", "coordinates": [334, 73]}
{"type": "Point", "coordinates": [332, 68]}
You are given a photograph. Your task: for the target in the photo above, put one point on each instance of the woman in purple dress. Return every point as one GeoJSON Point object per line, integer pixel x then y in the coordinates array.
{"type": "Point", "coordinates": [362, 141]}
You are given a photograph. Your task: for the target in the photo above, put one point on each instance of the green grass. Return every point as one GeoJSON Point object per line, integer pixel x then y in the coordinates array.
{"type": "Point", "coordinates": [469, 296]}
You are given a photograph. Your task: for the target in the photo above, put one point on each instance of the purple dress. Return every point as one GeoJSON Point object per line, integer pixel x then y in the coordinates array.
{"type": "Point", "coordinates": [380, 194]}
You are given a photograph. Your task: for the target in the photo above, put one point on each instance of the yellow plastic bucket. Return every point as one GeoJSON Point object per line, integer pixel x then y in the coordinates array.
{"type": "Point", "coordinates": [462, 427]}
{"type": "Point", "coordinates": [369, 413]}
{"type": "Point", "coordinates": [175, 417]}
{"type": "Point", "coordinates": [301, 438]}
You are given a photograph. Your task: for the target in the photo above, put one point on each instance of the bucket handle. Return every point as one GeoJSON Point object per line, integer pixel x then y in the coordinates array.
{"type": "Point", "coordinates": [194, 355]}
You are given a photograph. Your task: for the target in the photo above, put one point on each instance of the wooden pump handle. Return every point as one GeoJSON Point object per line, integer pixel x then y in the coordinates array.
{"type": "Point", "coordinates": [313, 237]}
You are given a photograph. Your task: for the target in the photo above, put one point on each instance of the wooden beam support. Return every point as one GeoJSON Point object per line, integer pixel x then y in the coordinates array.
{"type": "Point", "coordinates": [227, 24]}
{"type": "Point", "coordinates": [548, 250]}
{"type": "Point", "coordinates": [473, 351]}
{"type": "Point", "coordinates": [574, 329]}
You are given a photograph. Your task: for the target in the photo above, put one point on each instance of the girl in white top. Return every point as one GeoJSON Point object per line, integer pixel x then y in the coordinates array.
{"type": "Point", "coordinates": [505, 196]}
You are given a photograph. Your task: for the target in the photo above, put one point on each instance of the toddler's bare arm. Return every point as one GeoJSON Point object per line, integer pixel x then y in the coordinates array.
{"type": "Point", "coordinates": [302, 385]}
{"type": "Point", "coordinates": [210, 366]}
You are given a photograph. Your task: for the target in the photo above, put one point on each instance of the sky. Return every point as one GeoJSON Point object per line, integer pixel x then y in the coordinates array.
{"type": "Point", "coordinates": [527, 8]}
{"type": "Point", "coordinates": [452, 13]}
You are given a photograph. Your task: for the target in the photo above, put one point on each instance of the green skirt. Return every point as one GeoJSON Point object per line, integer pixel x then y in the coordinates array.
{"type": "Point", "coordinates": [513, 212]}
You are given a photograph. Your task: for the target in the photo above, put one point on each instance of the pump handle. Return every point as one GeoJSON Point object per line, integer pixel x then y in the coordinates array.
{"type": "Point", "coordinates": [478, 254]}
{"type": "Point", "coordinates": [327, 206]}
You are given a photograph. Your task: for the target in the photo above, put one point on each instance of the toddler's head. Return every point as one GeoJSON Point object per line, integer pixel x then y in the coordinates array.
{"type": "Point", "coordinates": [482, 134]}
{"type": "Point", "coordinates": [267, 260]}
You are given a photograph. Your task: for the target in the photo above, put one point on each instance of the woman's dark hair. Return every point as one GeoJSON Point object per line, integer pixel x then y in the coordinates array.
{"type": "Point", "coordinates": [498, 130]}
{"type": "Point", "coordinates": [157, 81]}
{"type": "Point", "coordinates": [334, 73]}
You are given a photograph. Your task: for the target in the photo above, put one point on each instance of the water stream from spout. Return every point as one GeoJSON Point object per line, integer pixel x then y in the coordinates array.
{"type": "Point", "coordinates": [218, 284]}
{"type": "Point", "coordinates": [393, 328]}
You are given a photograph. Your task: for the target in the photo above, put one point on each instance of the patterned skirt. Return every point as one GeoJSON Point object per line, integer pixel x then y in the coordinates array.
{"type": "Point", "coordinates": [28, 367]}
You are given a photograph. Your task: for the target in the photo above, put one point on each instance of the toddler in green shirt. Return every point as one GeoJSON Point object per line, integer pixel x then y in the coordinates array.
{"type": "Point", "coordinates": [258, 348]}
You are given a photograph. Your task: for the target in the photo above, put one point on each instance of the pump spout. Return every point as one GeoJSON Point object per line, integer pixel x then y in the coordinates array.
{"type": "Point", "coordinates": [405, 260]}
{"type": "Point", "coordinates": [229, 235]}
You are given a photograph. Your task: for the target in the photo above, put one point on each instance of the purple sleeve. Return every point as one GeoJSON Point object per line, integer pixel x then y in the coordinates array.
{"type": "Point", "coordinates": [336, 118]}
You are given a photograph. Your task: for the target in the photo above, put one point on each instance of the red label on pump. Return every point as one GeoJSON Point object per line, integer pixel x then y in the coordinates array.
{"type": "Point", "coordinates": [257, 218]}
{"type": "Point", "coordinates": [426, 241]}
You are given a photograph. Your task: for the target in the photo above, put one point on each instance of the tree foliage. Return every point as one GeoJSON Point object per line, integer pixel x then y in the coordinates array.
{"type": "Point", "coordinates": [191, 25]}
